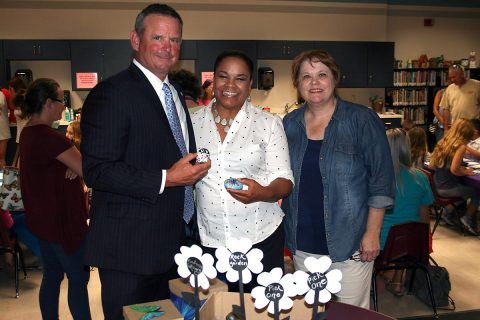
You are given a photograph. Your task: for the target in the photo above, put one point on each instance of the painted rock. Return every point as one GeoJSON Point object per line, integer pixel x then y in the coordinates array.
{"type": "Point", "coordinates": [232, 183]}
{"type": "Point", "coordinates": [203, 155]}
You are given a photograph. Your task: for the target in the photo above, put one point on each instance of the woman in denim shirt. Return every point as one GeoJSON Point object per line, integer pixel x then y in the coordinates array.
{"type": "Point", "coordinates": [344, 177]}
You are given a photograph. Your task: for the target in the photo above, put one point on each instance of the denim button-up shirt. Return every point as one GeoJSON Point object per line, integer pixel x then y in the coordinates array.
{"type": "Point", "coordinates": [357, 173]}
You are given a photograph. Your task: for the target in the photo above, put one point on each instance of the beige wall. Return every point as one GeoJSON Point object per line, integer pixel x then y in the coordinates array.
{"type": "Point", "coordinates": [452, 37]}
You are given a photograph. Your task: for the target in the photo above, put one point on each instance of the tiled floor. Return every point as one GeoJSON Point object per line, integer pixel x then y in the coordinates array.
{"type": "Point", "coordinates": [460, 254]}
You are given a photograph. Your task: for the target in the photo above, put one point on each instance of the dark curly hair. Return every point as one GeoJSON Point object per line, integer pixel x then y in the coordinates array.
{"type": "Point", "coordinates": [188, 83]}
{"type": "Point", "coordinates": [236, 54]}
{"type": "Point", "coordinates": [17, 84]}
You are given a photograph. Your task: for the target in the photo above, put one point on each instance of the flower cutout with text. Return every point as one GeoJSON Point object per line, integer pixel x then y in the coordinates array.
{"type": "Point", "coordinates": [275, 288]}
{"type": "Point", "coordinates": [237, 258]}
{"type": "Point", "coordinates": [317, 282]}
{"type": "Point", "coordinates": [192, 263]}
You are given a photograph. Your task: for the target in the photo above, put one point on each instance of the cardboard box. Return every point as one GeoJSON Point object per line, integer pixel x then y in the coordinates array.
{"type": "Point", "coordinates": [171, 313]}
{"type": "Point", "coordinates": [179, 286]}
{"type": "Point", "coordinates": [220, 304]}
{"type": "Point", "coordinates": [181, 294]}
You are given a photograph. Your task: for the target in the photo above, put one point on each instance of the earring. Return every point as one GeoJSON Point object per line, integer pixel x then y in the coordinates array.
{"type": "Point", "coordinates": [249, 98]}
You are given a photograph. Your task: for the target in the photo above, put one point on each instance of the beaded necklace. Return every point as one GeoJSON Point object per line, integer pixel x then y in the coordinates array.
{"type": "Point", "coordinates": [226, 123]}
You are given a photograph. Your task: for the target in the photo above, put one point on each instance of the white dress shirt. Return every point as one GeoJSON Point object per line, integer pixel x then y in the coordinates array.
{"type": "Point", "coordinates": [157, 85]}
{"type": "Point", "coordinates": [255, 147]}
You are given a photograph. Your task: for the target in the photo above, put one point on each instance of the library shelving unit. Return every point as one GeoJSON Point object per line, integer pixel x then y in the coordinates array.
{"type": "Point", "coordinates": [414, 89]}
{"type": "Point", "coordinates": [413, 92]}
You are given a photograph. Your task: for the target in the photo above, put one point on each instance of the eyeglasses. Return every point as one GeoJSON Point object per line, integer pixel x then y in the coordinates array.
{"type": "Point", "coordinates": [356, 256]}
{"type": "Point", "coordinates": [58, 100]}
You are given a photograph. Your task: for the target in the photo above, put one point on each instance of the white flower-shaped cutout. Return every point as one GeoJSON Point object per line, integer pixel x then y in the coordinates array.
{"type": "Point", "coordinates": [191, 262]}
{"type": "Point", "coordinates": [274, 287]}
{"type": "Point", "coordinates": [237, 257]}
{"type": "Point", "coordinates": [317, 279]}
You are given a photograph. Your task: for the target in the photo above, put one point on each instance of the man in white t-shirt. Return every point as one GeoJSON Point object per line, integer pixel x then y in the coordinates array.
{"type": "Point", "coordinates": [461, 99]}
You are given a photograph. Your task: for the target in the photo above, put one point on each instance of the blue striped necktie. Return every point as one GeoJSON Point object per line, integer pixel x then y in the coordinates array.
{"type": "Point", "coordinates": [172, 115]}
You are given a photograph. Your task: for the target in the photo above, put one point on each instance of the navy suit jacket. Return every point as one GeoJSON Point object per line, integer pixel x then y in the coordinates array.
{"type": "Point", "coordinates": [126, 142]}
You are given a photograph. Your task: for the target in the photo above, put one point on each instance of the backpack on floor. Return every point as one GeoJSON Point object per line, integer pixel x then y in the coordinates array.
{"type": "Point", "coordinates": [441, 287]}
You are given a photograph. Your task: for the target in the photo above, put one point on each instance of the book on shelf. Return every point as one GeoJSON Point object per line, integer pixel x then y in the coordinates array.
{"type": "Point", "coordinates": [409, 97]}
{"type": "Point", "coordinates": [416, 114]}
{"type": "Point", "coordinates": [419, 77]}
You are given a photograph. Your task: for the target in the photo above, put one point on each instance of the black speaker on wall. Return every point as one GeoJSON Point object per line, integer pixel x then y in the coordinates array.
{"type": "Point", "coordinates": [265, 78]}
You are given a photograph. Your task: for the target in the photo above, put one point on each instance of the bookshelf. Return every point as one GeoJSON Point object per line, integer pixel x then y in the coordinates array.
{"type": "Point", "coordinates": [413, 92]}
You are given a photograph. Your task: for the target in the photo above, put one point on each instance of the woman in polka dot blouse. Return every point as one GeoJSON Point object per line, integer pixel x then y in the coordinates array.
{"type": "Point", "coordinates": [250, 145]}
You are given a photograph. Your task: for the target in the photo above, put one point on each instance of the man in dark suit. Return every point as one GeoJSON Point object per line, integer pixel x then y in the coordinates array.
{"type": "Point", "coordinates": [137, 157]}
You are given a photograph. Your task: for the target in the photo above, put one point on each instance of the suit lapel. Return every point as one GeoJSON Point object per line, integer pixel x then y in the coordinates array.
{"type": "Point", "coordinates": [149, 93]}
{"type": "Point", "coordinates": [147, 90]}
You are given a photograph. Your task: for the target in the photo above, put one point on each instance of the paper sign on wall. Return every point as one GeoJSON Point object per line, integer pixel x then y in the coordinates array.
{"type": "Point", "coordinates": [207, 76]}
{"type": "Point", "coordinates": [86, 80]}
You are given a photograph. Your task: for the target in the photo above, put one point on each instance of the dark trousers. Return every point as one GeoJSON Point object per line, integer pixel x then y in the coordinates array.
{"type": "Point", "coordinates": [272, 248]}
{"type": "Point", "coordinates": [122, 288]}
{"type": "Point", "coordinates": [56, 263]}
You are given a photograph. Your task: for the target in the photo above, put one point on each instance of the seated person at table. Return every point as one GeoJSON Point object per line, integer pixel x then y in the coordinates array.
{"type": "Point", "coordinates": [420, 156]}
{"type": "Point", "coordinates": [418, 147]}
{"type": "Point", "coordinates": [412, 198]}
{"type": "Point", "coordinates": [473, 147]}
{"type": "Point", "coordinates": [446, 160]}
{"type": "Point", "coordinates": [407, 125]}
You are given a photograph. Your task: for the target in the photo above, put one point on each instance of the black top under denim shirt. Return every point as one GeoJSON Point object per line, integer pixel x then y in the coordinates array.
{"type": "Point", "coordinates": [310, 205]}
{"type": "Point", "coordinates": [357, 174]}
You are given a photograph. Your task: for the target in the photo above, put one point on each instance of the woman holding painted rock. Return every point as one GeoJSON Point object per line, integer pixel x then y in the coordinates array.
{"type": "Point", "coordinates": [247, 144]}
